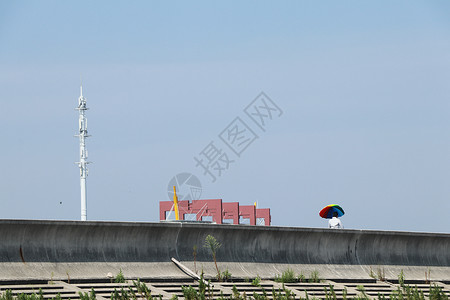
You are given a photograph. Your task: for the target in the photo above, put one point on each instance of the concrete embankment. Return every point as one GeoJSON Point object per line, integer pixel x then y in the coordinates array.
{"type": "Point", "coordinates": [68, 249]}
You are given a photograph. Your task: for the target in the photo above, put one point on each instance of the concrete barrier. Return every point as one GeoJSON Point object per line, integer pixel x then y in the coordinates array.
{"type": "Point", "coordinates": [67, 249]}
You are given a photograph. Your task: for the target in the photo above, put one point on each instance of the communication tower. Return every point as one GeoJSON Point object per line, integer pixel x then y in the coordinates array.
{"type": "Point", "coordinates": [82, 164]}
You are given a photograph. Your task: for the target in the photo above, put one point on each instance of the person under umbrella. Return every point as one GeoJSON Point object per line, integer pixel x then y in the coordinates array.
{"type": "Point", "coordinates": [335, 222]}
{"type": "Point", "coordinates": [332, 212]}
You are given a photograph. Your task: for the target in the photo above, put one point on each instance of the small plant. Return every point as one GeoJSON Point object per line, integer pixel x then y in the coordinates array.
{"type": "Point", "coordinates": [115, 295]}
{"type": "Point", "coordinates": [436, 293]}
{"type": "Point", "coordinates": [222, 296]}
{"type": "Point", "coordinates": [407, 292]}
{"type": "Point", "coordinates": [139, 290]}
{"type": "Point", "coordinates": [401, 279]}
{"type": "Point", "coordinates": [202, 286]}
{"type": "Point", "coordinates": [212, 244]}
{"type": "Point", "coordinates": [260, 297]}
{"type": "Point", "coordinates": [331, 294]}
{"type": "Point", "coordinates": [381, 296]}
{"type": "Point", "coordinates": [344, 294]}
{"type": "Point", "coordinates": [236, 294]}
{"type": "Point", "coordinates": [314, 277]}
{"type": "Point", "coordinates": [189, 293]}
{"type": "Point", "coordinates": [381, 274]}
{"type": "Point", "coordinates": [204, 291]}
{"type": "Point", "coordinates": [142, 289]}
{"type": "Point", "coordinates": [174, 297]}
{"type": "Point", "coordinates": [279, 295]}
{"type": "Point", "coordinates": [362, 295]}
{"type": "Point", "coordinates": [306, 295]}
{"type": "Point", "coordinates": [287, 276]}
{"type": "Point", "coordinates": [226, 275]}
{"type": "Point", "coordinates": [256, 281]}
{"type": "Point", "coordinates": [194, 253]}
{"type": "Point", "coordinates": [428, 276]}
{"type": "Point", "coordinates": [119, 277]}
{"type": "Point", "coordinates": [7, 295]}
{"type": "Point", "coordinates": [301, 278]}
{"type": "Point", "coordinates": [86, 296]}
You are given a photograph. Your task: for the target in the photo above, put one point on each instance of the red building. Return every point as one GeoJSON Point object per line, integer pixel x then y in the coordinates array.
{"type": "Point", "coordinates": [215, 210]}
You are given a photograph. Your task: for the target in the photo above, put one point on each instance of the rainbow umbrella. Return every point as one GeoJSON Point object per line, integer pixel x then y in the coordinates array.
{"type": "Point", "coordinates": [327, 211]}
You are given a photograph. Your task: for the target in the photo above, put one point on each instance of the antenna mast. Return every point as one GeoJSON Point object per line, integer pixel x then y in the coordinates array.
{"type": "Point", "coordinates": [83, 134]}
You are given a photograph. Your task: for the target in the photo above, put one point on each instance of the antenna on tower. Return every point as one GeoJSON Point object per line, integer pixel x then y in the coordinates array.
{"type": "Point", "coordinates": [82, 164]}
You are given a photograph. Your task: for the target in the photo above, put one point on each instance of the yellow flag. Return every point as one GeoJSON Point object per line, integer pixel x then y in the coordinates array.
{"type": "Point", "coordinates": [175, 203]}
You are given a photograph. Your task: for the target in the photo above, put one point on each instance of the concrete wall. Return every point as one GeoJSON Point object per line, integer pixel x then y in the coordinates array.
{"type": "Point", "coordinates": [61, 249]}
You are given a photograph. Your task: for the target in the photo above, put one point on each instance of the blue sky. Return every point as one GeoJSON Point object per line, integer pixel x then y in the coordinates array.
{"type": "Point", "coordinates": [363, 87]}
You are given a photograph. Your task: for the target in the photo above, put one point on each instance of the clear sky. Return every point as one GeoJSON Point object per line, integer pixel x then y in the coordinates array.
{"type": "Point", "coordinates": [362, 89]}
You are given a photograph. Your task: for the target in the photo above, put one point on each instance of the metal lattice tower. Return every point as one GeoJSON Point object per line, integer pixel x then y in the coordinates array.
{"type": "Point", "coordinates": [82, 164]}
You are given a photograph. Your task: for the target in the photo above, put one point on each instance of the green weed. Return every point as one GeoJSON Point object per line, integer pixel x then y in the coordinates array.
{"type": "Point", "coordinates": [256, 281]}
{"type": "Point", "coordinates": [119, 277]}
{"type": "Point", "coordinates": [314, 277]}
{"type": "Point", "coordinates": [213, 245]}
{"type": "Point", "coordinates": [287, 276]}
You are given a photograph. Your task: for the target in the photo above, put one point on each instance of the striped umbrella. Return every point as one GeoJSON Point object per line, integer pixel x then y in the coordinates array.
{"type": "Point", "coordinates": [327, 211]}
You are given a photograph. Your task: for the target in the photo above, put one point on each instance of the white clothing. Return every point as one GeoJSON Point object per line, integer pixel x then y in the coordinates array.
{"type": "Point", "coordinates": [335, 223]}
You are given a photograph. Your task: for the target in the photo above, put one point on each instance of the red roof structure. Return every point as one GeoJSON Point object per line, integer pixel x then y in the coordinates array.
{"type": "Point", "coordinates": [217, 211]}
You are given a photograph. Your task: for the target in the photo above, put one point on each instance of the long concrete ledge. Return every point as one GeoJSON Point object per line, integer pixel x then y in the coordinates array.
{"type": "Point", "coordinates": [66, 249]}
